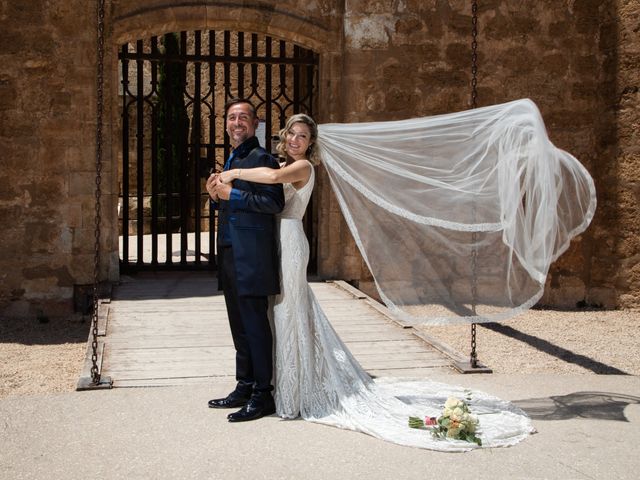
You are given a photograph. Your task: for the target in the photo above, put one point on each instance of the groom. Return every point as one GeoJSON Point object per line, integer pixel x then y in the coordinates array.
{"type": "Point", "coordinates": [248, 263]}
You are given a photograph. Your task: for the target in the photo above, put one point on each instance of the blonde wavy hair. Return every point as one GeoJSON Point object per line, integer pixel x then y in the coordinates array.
{"type": "Point", "coordinates": [312, 151]}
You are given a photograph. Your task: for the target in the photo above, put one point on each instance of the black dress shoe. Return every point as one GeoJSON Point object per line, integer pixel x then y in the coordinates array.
{"type": "Point", "coordinates": [258, 406]}
{"type": "Point", "coordinates": [234, 400]}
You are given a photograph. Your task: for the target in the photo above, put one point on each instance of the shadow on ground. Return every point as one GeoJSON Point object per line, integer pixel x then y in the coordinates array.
{"type": "Point", "coordinates": [554, 350]}
{"type": "Point", "coordinates": [50, 332]}
{"type": "Point", "coordinates": [592, 405]}
{"type": "Point", "coordinates": [169, 285]}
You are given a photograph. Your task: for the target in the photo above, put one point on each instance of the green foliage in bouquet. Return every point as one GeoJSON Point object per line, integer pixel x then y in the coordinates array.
{"type": "Point", "coordinates": [456, 422]}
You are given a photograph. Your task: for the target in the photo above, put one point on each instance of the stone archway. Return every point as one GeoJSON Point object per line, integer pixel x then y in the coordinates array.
{"type": "Point", "coordinates": [131, 24]}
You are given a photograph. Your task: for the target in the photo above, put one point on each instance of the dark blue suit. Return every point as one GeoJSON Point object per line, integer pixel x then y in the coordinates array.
{"type": "Point", "coordinates": [249, 265]}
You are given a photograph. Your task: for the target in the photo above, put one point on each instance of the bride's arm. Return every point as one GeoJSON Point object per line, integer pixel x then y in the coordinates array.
{"type": "Point", "coordinates": [293, 173]}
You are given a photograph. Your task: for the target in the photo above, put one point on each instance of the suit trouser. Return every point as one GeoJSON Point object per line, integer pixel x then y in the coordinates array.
{"type": "Point", "coordinates": [250, 328]}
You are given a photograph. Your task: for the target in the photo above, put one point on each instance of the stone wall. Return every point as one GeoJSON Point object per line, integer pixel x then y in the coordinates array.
{"type": "Point", "coordinates": [380, 60]}
{"type": "Point", "coordinates": [621, 180]}
{"type": "Point", "coordinates": [578, 60]}
{"type": "Point", "coordinates": [47, 147]}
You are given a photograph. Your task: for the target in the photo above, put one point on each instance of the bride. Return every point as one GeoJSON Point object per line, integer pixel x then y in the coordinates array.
{"type": "Point", "coordinates": [316, 376]}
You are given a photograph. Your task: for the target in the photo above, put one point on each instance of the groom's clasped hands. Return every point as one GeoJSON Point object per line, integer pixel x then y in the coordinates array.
{"type": "Point", "coordinates": [217, 187]}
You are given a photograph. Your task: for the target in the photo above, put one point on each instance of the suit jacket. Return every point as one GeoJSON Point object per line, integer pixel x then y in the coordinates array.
{"type": "Point", "coordinates": [249, 216]}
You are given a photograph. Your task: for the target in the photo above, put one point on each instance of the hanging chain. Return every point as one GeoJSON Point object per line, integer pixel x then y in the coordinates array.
{"type": "Point", "coordinates": [95, 374]}
{"type": "Point", "coordinates": [474, 54]}
{"type": "Point", "coordinates": [473, 360]}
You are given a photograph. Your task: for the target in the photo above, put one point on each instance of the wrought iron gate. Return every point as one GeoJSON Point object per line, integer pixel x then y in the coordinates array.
{"type": "Point", "coordinates": [173, 90]}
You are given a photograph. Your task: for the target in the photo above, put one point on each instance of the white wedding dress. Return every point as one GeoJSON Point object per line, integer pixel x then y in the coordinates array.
{"type": "Point", "coordinates": [318, 379]}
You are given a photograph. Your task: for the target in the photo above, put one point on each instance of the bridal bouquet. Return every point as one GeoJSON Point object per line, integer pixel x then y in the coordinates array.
{"type": "Point", "coordinates": [456, 422]}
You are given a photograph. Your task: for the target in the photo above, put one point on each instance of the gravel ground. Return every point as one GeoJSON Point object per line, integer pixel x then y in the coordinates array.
{"type": "Point", "coordinates": [551, 341]}
{"type": "Point", "coordinates": [38, 358]}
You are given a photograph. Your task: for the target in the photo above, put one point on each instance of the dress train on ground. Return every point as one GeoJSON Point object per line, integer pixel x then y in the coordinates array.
{"type": "Point", "coordinates": [317, 377]}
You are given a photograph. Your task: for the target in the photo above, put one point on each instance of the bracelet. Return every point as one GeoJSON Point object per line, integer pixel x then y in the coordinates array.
{"type": "Point", "coordinates": [239, 172]}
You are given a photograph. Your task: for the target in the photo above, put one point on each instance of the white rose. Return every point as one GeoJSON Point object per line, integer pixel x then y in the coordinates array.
{"type": "Point", "coordinates": [451, 403]}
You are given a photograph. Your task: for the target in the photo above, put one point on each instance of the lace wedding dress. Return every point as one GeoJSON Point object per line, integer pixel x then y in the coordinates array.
{"type": "Point", "coordinates": [317, 377]}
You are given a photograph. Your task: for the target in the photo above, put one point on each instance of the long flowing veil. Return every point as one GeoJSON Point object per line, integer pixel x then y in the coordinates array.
{"type": "Point", "coordinates": [458, 216]}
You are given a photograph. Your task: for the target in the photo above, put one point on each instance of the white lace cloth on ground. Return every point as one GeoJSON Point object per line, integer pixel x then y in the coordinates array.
{"type": "Point", "coordinates": [458, 216]}
{"type": "Point", "coordinates": [318, 378]}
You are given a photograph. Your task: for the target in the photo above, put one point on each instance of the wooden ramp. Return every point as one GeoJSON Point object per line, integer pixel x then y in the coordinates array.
{"type": "Point", "coordinates": [171, 328]}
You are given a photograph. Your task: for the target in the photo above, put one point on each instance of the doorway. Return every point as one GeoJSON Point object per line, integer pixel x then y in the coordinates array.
{"type": "Point", "coordinates": [172, 91]}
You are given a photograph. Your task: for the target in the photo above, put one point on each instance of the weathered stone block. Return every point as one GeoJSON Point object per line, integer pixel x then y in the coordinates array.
{"type": "Point", "coordinates": [368, 32]}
